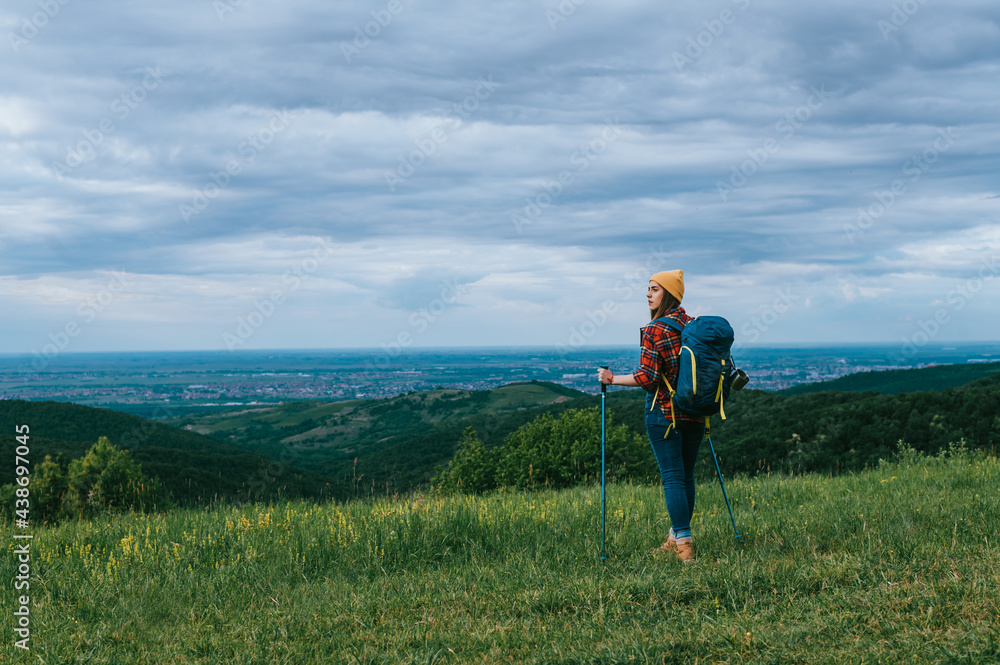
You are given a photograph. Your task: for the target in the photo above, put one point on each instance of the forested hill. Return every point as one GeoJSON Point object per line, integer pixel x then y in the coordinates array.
{"type": "Point", "coordinates": [840, 430]}
{"type": "Point", "coordinates": [347, 448]}
{"type": "Point", "coordinates": [394, 445]}
{"type": "Point", "coordinates": [836, 430]}
{"type": "Point", "coordinates": [192, 468]}
{"type": "Point", "coordinates": [72, 422]}
{"type": "Point", "coordinates": [389, 444]}
{"type": "Point", "coordinates": [902, 380]}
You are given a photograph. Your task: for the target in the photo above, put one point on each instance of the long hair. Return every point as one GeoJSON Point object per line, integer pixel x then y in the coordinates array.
{"type": "Point", "coordinates": [668, 303]}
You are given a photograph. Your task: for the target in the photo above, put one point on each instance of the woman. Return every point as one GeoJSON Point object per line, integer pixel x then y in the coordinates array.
{"type": "Point", "coordinates": [674, 435]}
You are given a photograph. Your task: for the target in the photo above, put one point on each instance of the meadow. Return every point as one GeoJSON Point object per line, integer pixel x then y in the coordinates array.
{"type": "Point", "coordinates": [889, 565]}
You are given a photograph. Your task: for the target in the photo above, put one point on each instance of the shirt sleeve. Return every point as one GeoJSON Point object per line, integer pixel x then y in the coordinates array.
{"type": "Point", "coordinates": [649, 362]}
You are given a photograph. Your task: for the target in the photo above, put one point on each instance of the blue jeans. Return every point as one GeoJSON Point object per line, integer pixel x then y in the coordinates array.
{"type": "Point", "coordinates": [676, 455]}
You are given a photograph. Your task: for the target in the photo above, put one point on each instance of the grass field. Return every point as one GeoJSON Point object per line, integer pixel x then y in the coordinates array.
{"type": "Point", "coordinates": [895, 565]}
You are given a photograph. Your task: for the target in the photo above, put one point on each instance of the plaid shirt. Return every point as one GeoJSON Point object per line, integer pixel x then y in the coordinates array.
{"type": "Point", "coordinates": [660, 347]}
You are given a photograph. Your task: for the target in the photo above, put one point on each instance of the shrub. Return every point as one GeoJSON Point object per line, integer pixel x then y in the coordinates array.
{"type": "Point", "coordinates": [549, 452]}
{"type": "Point", "coordinates": [106, 479]}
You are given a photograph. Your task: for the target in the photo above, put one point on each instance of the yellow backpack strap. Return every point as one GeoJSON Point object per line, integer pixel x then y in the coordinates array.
{"type": "Point", "coordinates": [694, 371]}
{"type": "Point", "coordinates": [673, 418]}
{"type": "Point", "coordinates": [718, 392]}
{"type": "Point", "coordinates": [669, 387]}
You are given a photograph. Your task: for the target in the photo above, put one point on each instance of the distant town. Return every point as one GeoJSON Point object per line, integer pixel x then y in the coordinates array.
{"type": "Point", "coordinates": [222, 379]}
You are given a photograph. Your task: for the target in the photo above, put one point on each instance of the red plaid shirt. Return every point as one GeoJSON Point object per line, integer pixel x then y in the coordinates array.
{"type": "Point", "coordinates": [660, 347]}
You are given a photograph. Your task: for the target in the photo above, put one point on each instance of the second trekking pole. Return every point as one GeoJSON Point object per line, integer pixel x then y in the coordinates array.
{"type": "Point", "coordinates": [604, 389]}
{"type": "Point", "coordinates": [719, 471]}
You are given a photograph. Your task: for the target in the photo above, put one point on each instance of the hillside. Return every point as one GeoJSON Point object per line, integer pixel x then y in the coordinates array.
{"type": "Point", "coordinates": [894, 565]}
{"type": "Point", "coordinates": [837, 430]}
{"type": "Point", "coordinates": [895, 381]}
{"type": "Point", "coordinates": [193, 468]}
{"type": "Point", "coordinates": [307, 449]}
{"type": "Point", "coordinates": [831, 431]}
{"type": "Point", "coordinates": [386, 445]}
{"type": "Point", "coordinates": [390, 446]}
{"type": "Point", "coordinates": [329, 422]}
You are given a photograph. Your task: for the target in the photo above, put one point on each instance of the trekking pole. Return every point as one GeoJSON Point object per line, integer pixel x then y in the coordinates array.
{"type": "Point", "coordinates": [603, 393]}
{"type": "Point", "coordinates": [719, 471]}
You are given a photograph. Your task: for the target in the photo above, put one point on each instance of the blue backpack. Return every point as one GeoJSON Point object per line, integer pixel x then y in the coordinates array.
{"type": "Point", "coordinates": [703, 380]}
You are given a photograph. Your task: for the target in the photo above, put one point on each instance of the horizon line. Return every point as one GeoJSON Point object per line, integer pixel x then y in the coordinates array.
{"type": "Point", "coordinates": [944, 345]}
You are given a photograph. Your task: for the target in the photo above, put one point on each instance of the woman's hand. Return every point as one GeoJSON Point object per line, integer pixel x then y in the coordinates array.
{"type": "Point", "coordinates": [605, 376]}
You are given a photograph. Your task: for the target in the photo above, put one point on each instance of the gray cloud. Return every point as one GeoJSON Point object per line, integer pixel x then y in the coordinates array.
{"type": "Point", "coordinates": [743, 102]}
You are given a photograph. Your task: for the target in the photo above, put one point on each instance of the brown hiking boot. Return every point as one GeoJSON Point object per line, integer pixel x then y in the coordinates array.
{"type": "Point", "coordinates": [669, 545]}
{"type": "Point", "coordinates": [685, 549]}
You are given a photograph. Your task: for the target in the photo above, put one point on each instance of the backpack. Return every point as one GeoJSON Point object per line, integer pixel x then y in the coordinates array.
{"type": "Point", "coordinates": [704, 377]}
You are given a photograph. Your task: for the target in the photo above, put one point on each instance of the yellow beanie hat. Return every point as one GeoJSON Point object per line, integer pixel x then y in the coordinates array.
{"type": "Point", "coordinates": [672, 282]}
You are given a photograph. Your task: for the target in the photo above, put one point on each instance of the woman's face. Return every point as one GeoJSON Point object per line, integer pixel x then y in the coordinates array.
{"type": "Point", "coordinates": [654, 295]}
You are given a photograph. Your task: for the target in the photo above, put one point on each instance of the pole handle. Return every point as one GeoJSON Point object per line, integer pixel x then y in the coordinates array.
{"type": "Point", "coordinates": [604, 386]}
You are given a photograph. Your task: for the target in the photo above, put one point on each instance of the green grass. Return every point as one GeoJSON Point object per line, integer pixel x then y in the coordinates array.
{"type": "Point", "coordinates": [894, 565]}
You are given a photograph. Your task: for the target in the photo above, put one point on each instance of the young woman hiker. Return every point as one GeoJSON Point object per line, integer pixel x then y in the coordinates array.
{"type": "Point", "coordinates": [674, 435]}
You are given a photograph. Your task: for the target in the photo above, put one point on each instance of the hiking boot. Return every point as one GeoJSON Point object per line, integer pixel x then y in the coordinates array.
{"type": "Point", "coordinates": [685, 549]}
{"type": "Point", "coordinates": [669, 545]}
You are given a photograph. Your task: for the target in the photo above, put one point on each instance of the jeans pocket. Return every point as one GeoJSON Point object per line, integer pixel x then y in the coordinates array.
{"type": "Point", "coordinates": [655, 418]}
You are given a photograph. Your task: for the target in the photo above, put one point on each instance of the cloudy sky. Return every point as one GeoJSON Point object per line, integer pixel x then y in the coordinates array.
{"type": "Point", "coordinates": [263, 174]}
